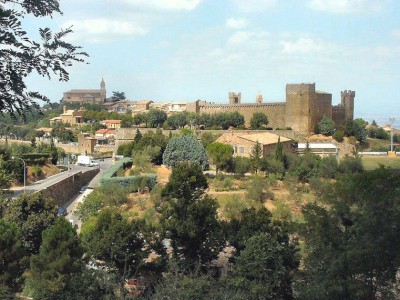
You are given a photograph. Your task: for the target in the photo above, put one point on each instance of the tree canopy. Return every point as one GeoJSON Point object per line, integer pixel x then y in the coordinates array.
{"type": "Point", "coordinates": [184, 149]}
{"type": "Point", "coordinates": [20, 56]}
{"type": "Point", "coordinates": [258, 120]}
{"type": "Point", "coordinates": [220, 154]}
{"type": "Point", "coordinates": [351, 239]}
{"type": "Point", "coordinates": [326, 126]}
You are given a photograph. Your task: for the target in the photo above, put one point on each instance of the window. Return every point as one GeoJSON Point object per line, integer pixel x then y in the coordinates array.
{"type": "Point", "coordinates": [241, 150]}
{"type": "Point", "coordinates": [235, 149]}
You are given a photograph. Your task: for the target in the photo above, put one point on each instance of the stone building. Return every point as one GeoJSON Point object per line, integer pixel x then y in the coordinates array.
{"type": "Point", "coordinates": [243, 143]}
{"type": "Point", "coordinates": [111, 124]}
{"type": "Point", "coordinates": [70, 116]}
{"type": "Point", "coordinates": [86, 96]}
{"type": "Point", "coordinates": [303, 109]}
{"type": "Point", "coordinates": [86, 143]}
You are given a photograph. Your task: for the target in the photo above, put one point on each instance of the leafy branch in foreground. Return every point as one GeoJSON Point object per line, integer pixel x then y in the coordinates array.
{"type": "Point", "coordinates": [20, 55]}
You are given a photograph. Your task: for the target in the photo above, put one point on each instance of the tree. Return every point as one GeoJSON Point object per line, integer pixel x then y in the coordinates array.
{"type": "Point", "coordinates": [258, 120]}
{"type": "Point", "coordinates": [118, 96]}
{"type": "Point", "coordinates": [184, 148]}
{"type": "Point", "coordinates": [178, 120]}
{"type": "Point", "coordinates": [278, 154]}
{"type": "Point", "coordinates": [155, 117]}
{"type": "Point", "coordinates": [190, 219]}
{"type": "Point", "coordinates": [326, 126]}
{"type": "Point", "coordinates": [187, 182]}
{"type": "Point", "coordinates": [252, 222]}
{"type": "Point", "coordinates": [117, 241]}
{"type": "Point", "coordinates": [58, 260]}
{"type": "Point", "coordinates": [33, 214]}
{"type": "Point", "coordinates": [138, 135]}
{"type": "Point", "coordinates": [20, 56]}
{"type": "Point", "coordinates": [351, 239]}
{"type": "Point", "coordinates": [256, 156]}
{"type": "Point", "coordinates": [265, 267]}
{"type": "Point", "coordinates": [11, 254]}
{"type": "Point", "coordinates": [220, 154]}
{"type": "Point", "coordinates": [356, 128]}
{"type": "Point", "coordinates": [139, 119]}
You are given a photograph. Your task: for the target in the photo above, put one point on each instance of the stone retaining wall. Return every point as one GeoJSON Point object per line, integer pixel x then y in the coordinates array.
{"type": "Point", "coordinates": [64, 190]}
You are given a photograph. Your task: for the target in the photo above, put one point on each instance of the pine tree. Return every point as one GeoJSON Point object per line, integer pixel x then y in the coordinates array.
{"type": "Point", "coordinates": [58, 260]}
{"type": "Point", "coordinates": [138, 135]}
{"type": "Point", "coordinates": [279, 150]}
{"type": "Point", "coordinates": [256, 157]}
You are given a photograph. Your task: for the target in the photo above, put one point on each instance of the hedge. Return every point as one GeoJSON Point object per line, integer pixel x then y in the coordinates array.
{"type": "Point", "coordinates": [132, 183]}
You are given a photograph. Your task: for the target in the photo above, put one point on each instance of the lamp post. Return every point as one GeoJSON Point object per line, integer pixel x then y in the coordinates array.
{"type": "Point", "coordinates": [14, 157]}
{"type": "Point", "coordinates": [391, 120]}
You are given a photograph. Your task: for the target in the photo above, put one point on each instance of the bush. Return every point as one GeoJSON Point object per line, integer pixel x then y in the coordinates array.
{"type": "Point", "coordinates": [351, 165]}
{"type": "Point", "coordinates": [131, 183]}
{"type": "Point", "coordinates": [255, 189]}
{"type": "Point", "coordinates": [275, 167]}
{"type": "Point", "coordinates": [328, 167]}
{"type": "Point", "coordinates": [338, 136]}
{"type": "Point", "coordinates": [326, 126]}
{"type": "Point", "coordinates": [36, 171]}
{"type": "Point", "coordinates": [185, 149]}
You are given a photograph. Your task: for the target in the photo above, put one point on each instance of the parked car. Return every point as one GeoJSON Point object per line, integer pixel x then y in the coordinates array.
{"type": "Point", "coordinates": [62, 212]}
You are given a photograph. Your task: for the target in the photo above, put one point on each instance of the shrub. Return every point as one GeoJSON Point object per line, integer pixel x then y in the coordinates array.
{"type": "Point", "coordinates": [185, 149]}
{"type": "Point", "coordinates": [255, 189]}
{"type": "Point", "coordinates": [351, 165]}
{"type": "Point", "coordinates": [132, 183]}
{"type": "Point", "coordinates": [36, 171]}
{"type": "Point", "coordinates": [326, 126]}
{"type": "Point", "coordinates": [231, 207]}
{"type": "Point", "coordinates": [328, 167]}
{"type": "Point", "coordinates": [282, 211]}
{"type": "Point", "coordinates": [338, 136]}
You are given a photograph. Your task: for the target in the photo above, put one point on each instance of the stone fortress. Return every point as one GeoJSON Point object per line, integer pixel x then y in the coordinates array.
{"type": "Point", "coordinates": [304, 108]}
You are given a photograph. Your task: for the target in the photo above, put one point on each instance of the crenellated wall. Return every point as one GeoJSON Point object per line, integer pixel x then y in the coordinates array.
{"type": "Point", "coordinates": [303, 110]}
{"type": "Point", "coordinates": [274, 111]}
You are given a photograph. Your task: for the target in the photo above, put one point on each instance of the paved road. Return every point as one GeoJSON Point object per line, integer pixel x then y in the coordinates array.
{"type": "Point", "coordinates": [45, 183]}
{"type": "Point", "coordinates": [95, 182]}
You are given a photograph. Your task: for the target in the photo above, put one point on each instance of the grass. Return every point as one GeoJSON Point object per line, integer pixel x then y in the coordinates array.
{"type": "Point", "coordinates": [373, 162]}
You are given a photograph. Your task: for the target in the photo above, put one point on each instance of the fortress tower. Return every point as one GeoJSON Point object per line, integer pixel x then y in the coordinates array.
{"type": "Point", "coordinates": [235, 98]}
{"type": "Point", "coordinates": [299, 102]}
{"type": "Point", "coordinates": [259, 98]}
{"type": "Point", "coordinates": [103, 89]}
{"type": "Point", "coordinates": [347, 101]}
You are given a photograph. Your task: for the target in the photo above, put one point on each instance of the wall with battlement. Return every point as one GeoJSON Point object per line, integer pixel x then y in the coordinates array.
{"type": "Point", "coordinates": [274, 111]}
{"type": "Point", "coordinates": [338, 115]}
{"type": "Point", "coordinates": [321, 107]}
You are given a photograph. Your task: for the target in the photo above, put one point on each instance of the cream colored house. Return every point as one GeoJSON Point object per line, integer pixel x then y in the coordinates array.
{"type": "Point", "coordinates": [243, 143]}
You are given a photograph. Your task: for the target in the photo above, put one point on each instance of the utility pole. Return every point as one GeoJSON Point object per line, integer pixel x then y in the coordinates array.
{"type": "Point", "coordinates": [391, 120]}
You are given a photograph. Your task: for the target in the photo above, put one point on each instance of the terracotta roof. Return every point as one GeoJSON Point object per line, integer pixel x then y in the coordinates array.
{"type": "Point", "coordinates": [111, 121]}
{"type": "Point", "coordinates": [264, 138]}
{"type": "Point", "coordinates": [102, 131]}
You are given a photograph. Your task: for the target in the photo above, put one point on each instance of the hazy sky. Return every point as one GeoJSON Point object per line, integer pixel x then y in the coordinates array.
{"type": "Point", "coordinates": [174, 50]}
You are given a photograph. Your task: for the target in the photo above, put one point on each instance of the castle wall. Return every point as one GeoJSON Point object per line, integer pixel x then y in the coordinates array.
{"type": "Point", "coordinates": [338, 115]}
{"type": "Point", "coordinates": [320, 108]}
{"type": "Point", "coordinates": [274, 111]}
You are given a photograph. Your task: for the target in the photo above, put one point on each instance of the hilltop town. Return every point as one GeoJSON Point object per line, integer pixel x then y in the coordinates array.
{"type": "Point", "coordinates": [106, 196]}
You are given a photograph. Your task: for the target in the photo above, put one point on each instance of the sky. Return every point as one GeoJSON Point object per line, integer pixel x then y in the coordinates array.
{"type": "Point", "coordinates": [184, 50]}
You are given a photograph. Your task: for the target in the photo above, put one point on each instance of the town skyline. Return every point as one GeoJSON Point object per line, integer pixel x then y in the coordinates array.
{"type": "Point", "coordinates": [188, 50]}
